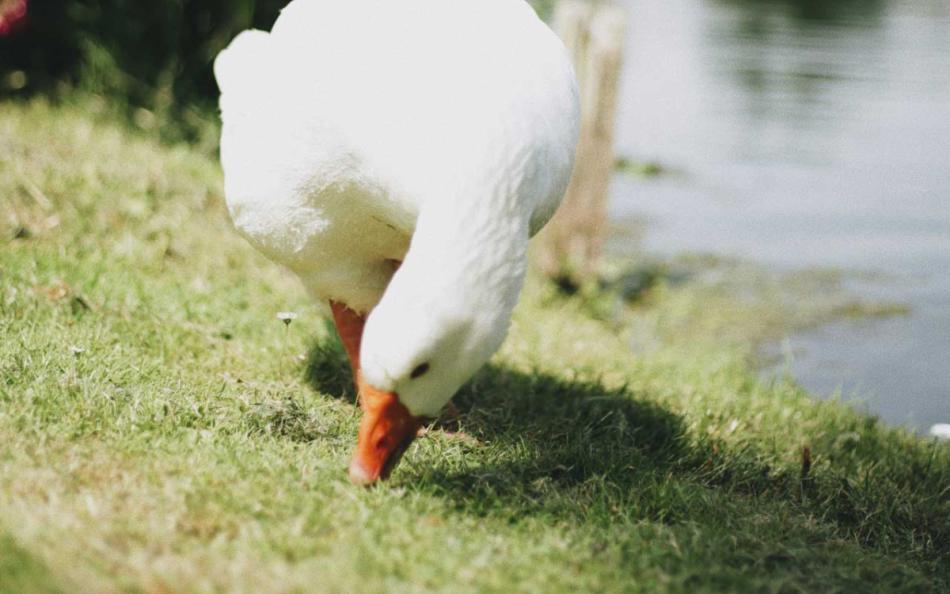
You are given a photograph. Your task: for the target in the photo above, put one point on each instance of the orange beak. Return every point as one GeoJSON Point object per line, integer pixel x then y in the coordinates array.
{"type": "Point", "coordinates": [386, 431]}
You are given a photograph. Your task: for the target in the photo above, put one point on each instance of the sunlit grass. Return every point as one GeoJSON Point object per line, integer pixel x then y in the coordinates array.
{"type": "Point", "coordinates": [161, 430]}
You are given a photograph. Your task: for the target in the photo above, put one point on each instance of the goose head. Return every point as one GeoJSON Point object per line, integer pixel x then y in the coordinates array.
{"type": "Point", "coordinates": [438, 322]}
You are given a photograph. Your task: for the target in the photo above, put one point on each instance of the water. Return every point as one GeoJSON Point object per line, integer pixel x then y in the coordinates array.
{"type": "Point", "coordinates": [804, 133]}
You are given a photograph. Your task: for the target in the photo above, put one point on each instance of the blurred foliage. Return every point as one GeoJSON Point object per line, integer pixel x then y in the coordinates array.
{"type": "Point", "coordinates": [153, 57]}
{"type": "Point", "coordinates": [814, 10]}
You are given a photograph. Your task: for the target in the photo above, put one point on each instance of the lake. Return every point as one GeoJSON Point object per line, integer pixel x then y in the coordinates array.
{"type": "Point", "coordinates": [805, 134]}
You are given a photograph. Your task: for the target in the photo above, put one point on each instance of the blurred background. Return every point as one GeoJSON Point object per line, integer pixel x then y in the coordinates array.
{"type": "Point", "coordinates": [803, 134]}
{"type": "Point", "coordinates": [795, 134]}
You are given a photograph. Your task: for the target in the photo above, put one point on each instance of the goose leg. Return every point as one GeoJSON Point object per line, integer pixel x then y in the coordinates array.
{"type": "Point", "coordinates": [349, 325]}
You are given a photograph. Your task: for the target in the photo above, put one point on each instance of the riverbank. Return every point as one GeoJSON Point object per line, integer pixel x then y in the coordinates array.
{"type": "Point", "coordinates": [805, 136]}
{"type": "Point", "coordinates": [161, 430]}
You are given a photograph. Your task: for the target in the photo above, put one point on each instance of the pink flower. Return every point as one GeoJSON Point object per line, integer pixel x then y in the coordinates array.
{"type": "Point", "coordinates": [12, 16]}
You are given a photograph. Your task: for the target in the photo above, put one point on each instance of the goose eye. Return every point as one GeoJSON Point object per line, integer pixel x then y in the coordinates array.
{"type": "Point", "coordinates": [420, 370]}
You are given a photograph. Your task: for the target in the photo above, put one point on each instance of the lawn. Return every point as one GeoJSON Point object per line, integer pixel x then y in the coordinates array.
{"type": "Point", "coordinates": [162, 431]}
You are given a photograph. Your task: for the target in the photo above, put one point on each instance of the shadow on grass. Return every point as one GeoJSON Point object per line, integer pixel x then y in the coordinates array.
{"type": "Point", "coordinates": [577, 451]}
{"type": "Point", "coordinates": [582, 418]}
{"type": "Point", "coordinates": [328, 370]}
{"type": "Point", "coordinates": [536, 442]}
{"type": "Point", "coordinates": [552, 446]}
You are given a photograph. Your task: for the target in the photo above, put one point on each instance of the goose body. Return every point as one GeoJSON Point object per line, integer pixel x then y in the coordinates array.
{"type": "Point", "coordinates": [359, 134]}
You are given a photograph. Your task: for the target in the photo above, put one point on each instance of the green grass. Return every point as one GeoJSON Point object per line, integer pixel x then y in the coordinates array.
{"type": "Point", "coordinates": [162, 431]}
{"type": "Point", "coordinates": [22, 573]}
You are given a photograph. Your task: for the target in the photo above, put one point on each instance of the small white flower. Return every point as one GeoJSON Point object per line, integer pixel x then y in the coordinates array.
{"type": "Point", "coordinates": [77, 350]}
{"type": "Point", "coordinates": [286, 317]}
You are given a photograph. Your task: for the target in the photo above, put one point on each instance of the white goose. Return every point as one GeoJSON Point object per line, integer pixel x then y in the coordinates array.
{"type": "Point", "coordinates": [397, 155]}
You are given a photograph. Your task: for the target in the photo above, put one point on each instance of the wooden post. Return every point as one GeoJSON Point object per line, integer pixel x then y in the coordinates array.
{"type": "Point", "coordinates": [571, 243]}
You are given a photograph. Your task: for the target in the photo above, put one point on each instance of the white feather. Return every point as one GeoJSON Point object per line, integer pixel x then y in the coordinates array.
{"type": "Point", "coordinates": [359, 128]}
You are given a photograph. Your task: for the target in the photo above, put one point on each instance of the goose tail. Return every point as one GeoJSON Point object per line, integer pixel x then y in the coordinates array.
{"type": "Point", "coordinates": [241, 68]}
